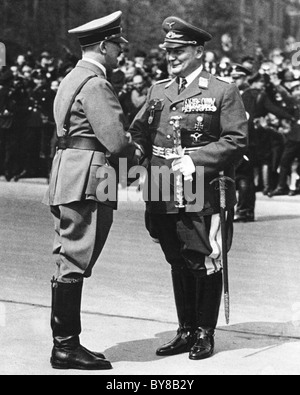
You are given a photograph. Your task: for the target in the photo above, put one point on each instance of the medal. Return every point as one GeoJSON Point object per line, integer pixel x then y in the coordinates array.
{"type": "Point", "coordinates": [151, 118]}
{"type": "Point", "coordinates": [155, 105]}
{"type": "Point", "coordinates": [199, 125]}
{"type": "Point", "coordinates": [205, 104]}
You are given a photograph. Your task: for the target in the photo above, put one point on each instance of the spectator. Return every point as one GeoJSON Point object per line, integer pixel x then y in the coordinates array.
{"type": "Point", "coordinates": [291, 149]}
{"type": "Point", "coordinates": [274, 84]}
{"type": "Point", "coordinates": [250, 63]}
{"type": "Point", "coordinates": [139, 59]}
{"type": "Point", "coordinates": [245, 170]}
{"type": "Point", "coordinates": [210, 63]}
{"type": "Point", "coordinates": [39, 110]}
{"type": "Point", "coordinates": [134, 99]}
{"type": "Point", "coordinates": [20, 61]}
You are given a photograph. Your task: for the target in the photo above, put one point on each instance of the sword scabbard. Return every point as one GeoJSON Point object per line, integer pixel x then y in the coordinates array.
{"type": "Point", "coordinates": [222, 187]}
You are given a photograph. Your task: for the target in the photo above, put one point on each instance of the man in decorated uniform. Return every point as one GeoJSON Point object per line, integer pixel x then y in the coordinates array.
{"type": "Point", "coordinates": [211, 119]}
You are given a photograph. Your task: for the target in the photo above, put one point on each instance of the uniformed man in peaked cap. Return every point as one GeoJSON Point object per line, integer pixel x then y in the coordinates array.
{"type": "Point", "coordinates": [90, 125]}
{"type": "Point", "coordinates": [211, 118]}
{"type": "Point", "coordinates": [240, 75]}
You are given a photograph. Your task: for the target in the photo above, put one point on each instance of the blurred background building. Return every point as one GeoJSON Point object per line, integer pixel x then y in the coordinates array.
{"type": "Point", "coordinates": [268, 23]}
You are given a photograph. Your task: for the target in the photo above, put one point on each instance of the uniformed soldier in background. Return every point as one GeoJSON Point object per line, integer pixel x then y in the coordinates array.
{"type": "Point", "coordinates": [7, 109]}
{"type": "Point", "coordinates": [89, 122]}
{"type": "Point", "coordinates": [245, 211]}
{"type": "Point", "coordinates": [39, 106]}
{"type": "Point", "coordinates": [214, 132]}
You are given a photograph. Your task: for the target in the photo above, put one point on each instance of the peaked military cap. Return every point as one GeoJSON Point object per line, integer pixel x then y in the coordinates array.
{"type": "Point", "coordinates": [39, 74]}
{"type": "Point", "coordinates": [181, 34]}
{"type": "Point", "coordinates": [103, 29]}
{"type": "Point", "coordinates": [238, 71]}
{"type": "Point", "coordinates": [256, 78]}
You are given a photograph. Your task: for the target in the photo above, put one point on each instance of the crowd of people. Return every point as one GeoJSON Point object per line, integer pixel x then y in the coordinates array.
{"type": "Point", "coordinates": [270, 87]}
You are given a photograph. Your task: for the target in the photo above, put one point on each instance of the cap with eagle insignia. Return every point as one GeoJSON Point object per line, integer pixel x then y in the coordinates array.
{"type": "Point", "coordinates": [103, 29]}
{"type": "Point", "coordinates": [238, 71]}
{"type": "Point", "coordinates": [181, 34]}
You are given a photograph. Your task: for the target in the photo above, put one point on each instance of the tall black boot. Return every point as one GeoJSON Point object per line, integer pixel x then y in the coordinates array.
{"type": "Point", "coordinates": [209, 294]}
{"type": "Point", "coordinates": [66, 326]}
{"type": "Point", "coordinates": [184, 285]}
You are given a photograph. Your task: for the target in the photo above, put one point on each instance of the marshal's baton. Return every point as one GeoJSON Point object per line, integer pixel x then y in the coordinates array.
{"type": "Point", "coordinates": [179, 152]}
{"type": "Point", "coordinates": [222, 186]}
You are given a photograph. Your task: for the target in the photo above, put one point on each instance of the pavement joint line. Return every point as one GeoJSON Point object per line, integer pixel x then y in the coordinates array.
{"type": "Point", "coordinates": [35, 305]}
{"type": "Point", "coordinates": [269, 335]}
{"type": "Point", "coordinates": [261, 351]}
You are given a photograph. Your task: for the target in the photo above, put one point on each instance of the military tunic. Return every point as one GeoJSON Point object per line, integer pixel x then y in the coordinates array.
{"type": "Point", "coordinates": [214, 132]}
{"type": "Point", "coordinates": [214, 126]}
{"type": "Point", "coordinates": [82, 223]}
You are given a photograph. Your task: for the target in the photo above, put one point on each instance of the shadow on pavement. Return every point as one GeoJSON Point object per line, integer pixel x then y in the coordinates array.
{"type": "Point", "coordinates": [255, 337]}
{"type": "Point", "coordinates": [277, 218]}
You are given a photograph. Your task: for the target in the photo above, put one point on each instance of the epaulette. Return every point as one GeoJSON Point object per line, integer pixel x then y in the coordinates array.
{"type": "Point", "coordinates": [228, 80]}
{"type": "Point", "coordinates": [163, 81]}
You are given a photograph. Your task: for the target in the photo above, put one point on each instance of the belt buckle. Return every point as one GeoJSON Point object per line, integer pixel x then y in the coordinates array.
{"type": "Point", "coordinates": [168, 151]}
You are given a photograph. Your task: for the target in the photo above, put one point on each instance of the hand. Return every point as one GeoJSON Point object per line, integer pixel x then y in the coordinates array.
{"type": "Point", "coordinates": [186, 166]}
{"type": "Point", "coordinates": [138, 154]}
{"type": "Point", "coordinates": [128, 135]}
{"type": "Point", "coordinates": [275, 80]}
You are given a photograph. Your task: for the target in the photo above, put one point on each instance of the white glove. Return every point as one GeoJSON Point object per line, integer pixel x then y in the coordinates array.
{"type": "Point", "coordinates": [186, 166]}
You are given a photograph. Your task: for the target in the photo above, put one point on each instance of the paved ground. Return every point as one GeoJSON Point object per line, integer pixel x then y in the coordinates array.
{"type": "Point", "coordinates": [128, 304]}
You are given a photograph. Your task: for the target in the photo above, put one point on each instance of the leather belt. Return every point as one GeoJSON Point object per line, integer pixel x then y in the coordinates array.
{"type": "Point", "coordinates": [81, 143]}
{"type": "Point", "coordinates": [162, 152]}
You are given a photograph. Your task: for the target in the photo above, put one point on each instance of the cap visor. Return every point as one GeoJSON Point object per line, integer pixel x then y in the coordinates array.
{"type": "Point", "coordinates": [171, 45]}
{"type": "Point", "coordinates": [119, 40]}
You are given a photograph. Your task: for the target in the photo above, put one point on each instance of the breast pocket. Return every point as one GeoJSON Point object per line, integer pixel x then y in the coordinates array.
{"type": "Point", "coordinates": [199, 122]}
{"type": "Point", "coordinates": [155, 110]}
{"type": "Point", "coordinates": [199, 130]}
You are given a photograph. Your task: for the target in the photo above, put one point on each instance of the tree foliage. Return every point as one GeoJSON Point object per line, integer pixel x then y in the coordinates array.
{"type": "Point", "coordinates": [43, 24]}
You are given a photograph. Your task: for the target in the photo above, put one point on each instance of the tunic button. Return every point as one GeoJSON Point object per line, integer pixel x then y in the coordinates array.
{"type": "Point", "coordinates": [169, 136]}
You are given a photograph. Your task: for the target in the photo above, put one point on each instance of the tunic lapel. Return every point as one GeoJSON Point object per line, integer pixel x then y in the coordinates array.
{"type": "Point", "coordinates": [194, 89]}
{"type": "Point", "coordinates": [171, 91]}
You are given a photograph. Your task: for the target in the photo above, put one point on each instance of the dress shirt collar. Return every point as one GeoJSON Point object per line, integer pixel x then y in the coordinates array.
{"type": "Point", "coordinates": [101, 67]}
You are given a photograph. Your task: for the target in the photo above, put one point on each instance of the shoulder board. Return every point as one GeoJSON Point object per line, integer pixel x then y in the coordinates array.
{"type": "Point", "coordinates": [163, 81]}
{"type": "Point", "coordinates": [225, 79]}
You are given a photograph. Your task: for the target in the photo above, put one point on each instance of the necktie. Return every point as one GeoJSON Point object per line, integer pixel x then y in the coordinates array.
{"type": "Point", "coordinates": [182, 85]}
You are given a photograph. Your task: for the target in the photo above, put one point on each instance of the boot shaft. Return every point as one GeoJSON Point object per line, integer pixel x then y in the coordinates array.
{"type": "Point", "coordinates": [184, 285]}
{"type": "Point", "coordinates": [66, 310]}
{"type": "Point", "coordinates": [208, 300]}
